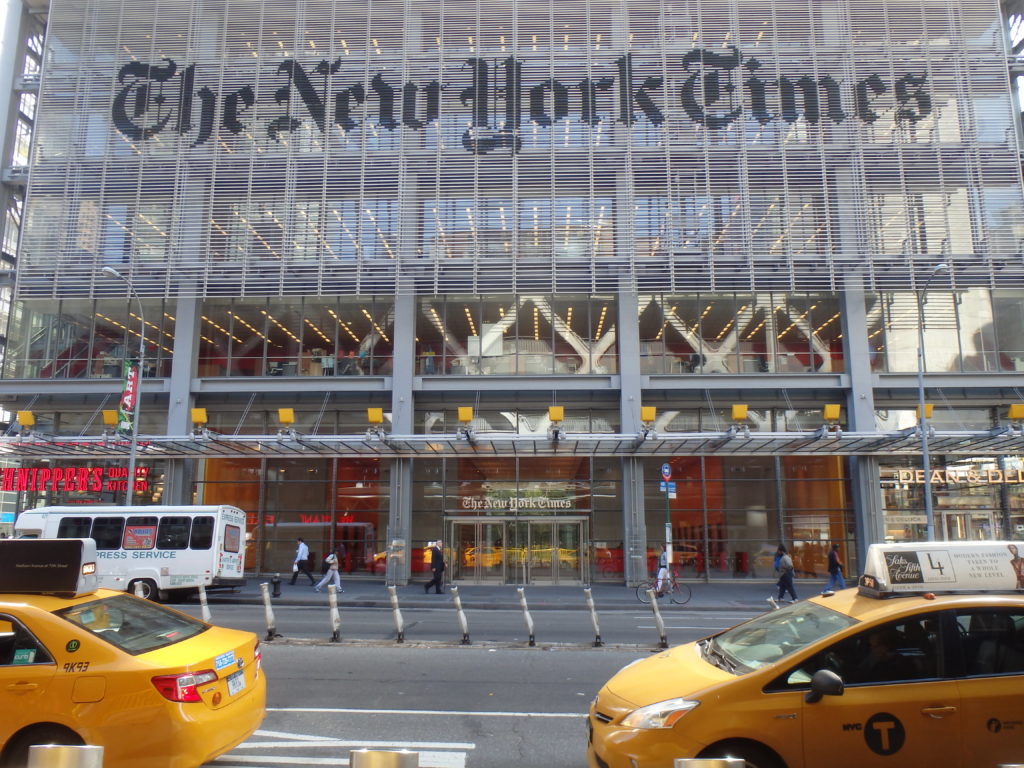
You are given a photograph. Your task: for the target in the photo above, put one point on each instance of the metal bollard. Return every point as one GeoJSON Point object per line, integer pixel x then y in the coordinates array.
{"type": "Point", "coordinates": [276, 584]}
{"type": "Point", "coordinates": [203, 606]}
{"type": "Point", "coordinates": [526, 615]}
{"type": "Point", "coordinates": [332, 601]}
{"type": "Point", "coordinates": [268, 612]}
{"type": "Point", "coordinates": [377, 758]}
{"type": "Point", "coordinates": [138, 590]}
{"type": "Point", "coordinates": [663, 638]}
{"type": "Point", "coordinates": [56, 756]}
{"type": "Point", "coordinates": [588, 594]}
{"type": "Point", "coordinates": [461, 615]}
{"type": "Point", "coordinates": [711, 762]}
{"type": "Point", "coordinates": [399, 623]}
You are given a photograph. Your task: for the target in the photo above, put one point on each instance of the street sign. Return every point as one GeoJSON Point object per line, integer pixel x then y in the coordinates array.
{"type": "Point", "coordinates": [663, 486]}
{"type": "Point", "coordinates": [666, 471]}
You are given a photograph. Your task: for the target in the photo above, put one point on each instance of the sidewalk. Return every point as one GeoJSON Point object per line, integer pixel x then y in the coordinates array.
{"type": "Point", "coordinates": [715, 595]}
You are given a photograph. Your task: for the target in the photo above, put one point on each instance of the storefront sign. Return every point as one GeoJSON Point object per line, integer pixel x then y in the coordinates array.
{"type": "Point", "coordinates": [970, 476]}
{"type": "Point", "coordinates": [95, 479]}
{"type": "Point", "coordinates": [714, 89]}
{"type": "Point", "coordinates": [515, 503]}
{"type": "Point", "coordinates": [906, 519]}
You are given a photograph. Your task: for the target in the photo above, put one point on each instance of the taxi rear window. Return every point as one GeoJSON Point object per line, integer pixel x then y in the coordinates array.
{"type": "Point", "coordinates": [135, 626]}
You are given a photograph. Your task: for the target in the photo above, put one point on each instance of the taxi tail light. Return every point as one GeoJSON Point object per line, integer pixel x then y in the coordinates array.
{"type": "Point", "coordinates": [183, 687]}
{"type": "Point", "coordinates": [257, 656]}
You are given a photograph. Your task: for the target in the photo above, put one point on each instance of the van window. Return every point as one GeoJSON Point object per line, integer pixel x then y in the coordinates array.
{"type": "Point", "coordinates": [140, 533]}
{"type": "Point", "coordinates": [232, 538]}
{"type": "Point", "coordinates": [173, 533]}
{"type": "Point", "coordinates": [202, 533]}
{"type": "Point", "coordinates": [74, 528]}
{"type": "Point", "coordinates": [107, 532]}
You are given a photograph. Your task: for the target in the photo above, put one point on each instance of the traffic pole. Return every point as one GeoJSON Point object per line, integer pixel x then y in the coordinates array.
{"type": "Point", "coordinates": [526, 615]}
{"type": "Point", "coordinates": [397, 612]}
{"type": "Point", "coordinates": [203, 605]}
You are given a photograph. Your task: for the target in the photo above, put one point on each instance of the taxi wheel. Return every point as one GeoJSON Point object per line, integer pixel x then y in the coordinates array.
{"type": "Point", "coordinates": [16, 754]}
{"type": "Point", "coordinates": [755, 755]}
{"type": "Point", "coordinates": [148, 589]}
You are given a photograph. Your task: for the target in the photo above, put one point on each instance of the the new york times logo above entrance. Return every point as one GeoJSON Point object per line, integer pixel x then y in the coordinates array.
{"type": "Point", "coordinates": [712, 89]}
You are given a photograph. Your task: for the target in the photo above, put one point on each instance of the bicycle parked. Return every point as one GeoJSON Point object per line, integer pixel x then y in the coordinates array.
{"type": "Point", "coordinates": [677, 591]}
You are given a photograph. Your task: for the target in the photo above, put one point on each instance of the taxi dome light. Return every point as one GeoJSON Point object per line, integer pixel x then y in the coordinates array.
{"type": "Point", "coordinates": [88, 569]}
{"type": "Point", "coordinates": [183, 687]}
{"type": "Point", "coordinates": [664, 714]}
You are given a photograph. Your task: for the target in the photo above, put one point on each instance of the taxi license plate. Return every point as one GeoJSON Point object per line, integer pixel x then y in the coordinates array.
{"type": "Point", "coordinates": [236, 682]}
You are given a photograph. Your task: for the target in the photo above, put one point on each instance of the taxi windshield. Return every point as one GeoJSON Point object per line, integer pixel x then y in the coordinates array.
{"type": "Point", "coordinates": [135, 626]}
{"type": "Point", "coordinates": [773, 636]}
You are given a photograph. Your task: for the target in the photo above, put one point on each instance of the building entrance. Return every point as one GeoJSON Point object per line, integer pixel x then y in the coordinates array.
{"type": "Point", "coordinates": [976, 525]}
{"type": "Point", "coordinates": [517, 550]}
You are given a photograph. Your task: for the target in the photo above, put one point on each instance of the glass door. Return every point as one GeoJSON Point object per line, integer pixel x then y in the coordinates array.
{"type": "Point", "coordinates": [555, 553]}
{"type": "Point", "coordinates": [517, 551]}
{"type": "Point", "coordinates": [970, 526]}
{"type": "Point", "coordinates": [478, 551]}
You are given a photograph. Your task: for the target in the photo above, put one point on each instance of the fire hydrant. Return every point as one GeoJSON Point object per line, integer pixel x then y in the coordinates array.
{"type": "Point", "coordinates": [276, 584]}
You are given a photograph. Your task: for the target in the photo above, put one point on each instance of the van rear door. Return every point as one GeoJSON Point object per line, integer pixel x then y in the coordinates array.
{"type": "Point", "coordinates": [230, 545]}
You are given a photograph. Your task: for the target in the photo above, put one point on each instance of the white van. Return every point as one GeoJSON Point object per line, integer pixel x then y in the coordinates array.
{"type": "Point", "coordinates": [169, 551]}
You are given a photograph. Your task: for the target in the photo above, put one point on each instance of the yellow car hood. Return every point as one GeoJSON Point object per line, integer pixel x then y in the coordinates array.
{"type": "Point", "coordinates": [679, 672]}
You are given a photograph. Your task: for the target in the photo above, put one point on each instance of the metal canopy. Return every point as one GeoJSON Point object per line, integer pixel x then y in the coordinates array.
{"type": "Point", "coordinates": [733, 442]}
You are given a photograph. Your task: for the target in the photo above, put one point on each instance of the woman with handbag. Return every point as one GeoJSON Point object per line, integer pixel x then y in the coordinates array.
{"type": "Point", "coordinates": [332, 561]}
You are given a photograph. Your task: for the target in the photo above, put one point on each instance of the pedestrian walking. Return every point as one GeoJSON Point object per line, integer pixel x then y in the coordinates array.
{"type": "Point", "coordinates": [662, 579]}
{"type": "Point", "coordinates": [835, 572]}
{"type": "Point", "coordinates": [784, 568]}
{"type": "Point", "coordinates": [332, 561]}
{"type": "Point", "coordinates": [437, 568]}
{"type": "Point", "coordinates": [301, 562]}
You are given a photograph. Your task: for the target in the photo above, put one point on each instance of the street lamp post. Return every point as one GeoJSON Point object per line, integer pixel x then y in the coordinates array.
{"type": "Point", "coordinates": [133, 450]}
{"type": "Point", "coordinates": [922, 417]}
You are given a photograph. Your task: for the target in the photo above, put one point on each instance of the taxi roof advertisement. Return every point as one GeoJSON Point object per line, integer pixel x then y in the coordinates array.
{"type": "Point", "coordinates": [39, 566]}
{"type": "Point", "coordinates": [946, 566]}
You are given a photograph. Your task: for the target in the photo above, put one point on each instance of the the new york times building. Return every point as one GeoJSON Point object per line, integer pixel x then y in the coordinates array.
{"type": "Point", "coordinates": [512, 263]}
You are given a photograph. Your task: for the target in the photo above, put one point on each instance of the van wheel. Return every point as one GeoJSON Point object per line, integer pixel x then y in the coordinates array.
{"type": "Point", "coordinates": [147, 589]}
{"type": "Point", "coordinates": [16, 754]}
{"type": "Point", "coordinates": [755, 755]}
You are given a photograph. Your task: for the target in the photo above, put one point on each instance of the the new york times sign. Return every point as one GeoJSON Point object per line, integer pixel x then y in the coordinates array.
{"type": "Point", "coordinates": [714, 90]}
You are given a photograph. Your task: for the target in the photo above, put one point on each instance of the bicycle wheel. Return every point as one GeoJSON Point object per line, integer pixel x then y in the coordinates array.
{"type": "Point", "coordinates": [642, 593]}
{"type": "Point", "coordinates": [680, 594]}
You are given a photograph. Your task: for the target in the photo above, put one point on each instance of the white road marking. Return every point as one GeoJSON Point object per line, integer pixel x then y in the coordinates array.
{"type": "Point", "coordinates": [441, 712]}
{"type": "Point", "coordinates": [430, 754]}
{"type": "Point", "coordinates": [651, 626]}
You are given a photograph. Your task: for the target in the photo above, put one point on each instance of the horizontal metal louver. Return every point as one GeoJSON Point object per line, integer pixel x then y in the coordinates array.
{"type": "Point", "coordinates": [260, 148]}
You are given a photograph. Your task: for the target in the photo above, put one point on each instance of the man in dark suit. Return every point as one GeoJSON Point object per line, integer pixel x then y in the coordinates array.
{"type": "Point", "coordinates": [437, 567]}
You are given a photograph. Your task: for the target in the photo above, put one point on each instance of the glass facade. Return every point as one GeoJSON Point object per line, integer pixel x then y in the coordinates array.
{"type": "Point", "coordinates": [510, 205]}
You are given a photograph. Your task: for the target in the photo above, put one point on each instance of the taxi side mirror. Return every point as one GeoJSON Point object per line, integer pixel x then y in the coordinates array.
{"type": "Point", "coordinates": [825, 682]}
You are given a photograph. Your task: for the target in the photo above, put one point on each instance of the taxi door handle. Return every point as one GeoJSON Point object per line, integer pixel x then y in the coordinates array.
{"type": "Point", "coordinates": [938, 712]}
{"type": "Point", "coordinates": [22, 687]}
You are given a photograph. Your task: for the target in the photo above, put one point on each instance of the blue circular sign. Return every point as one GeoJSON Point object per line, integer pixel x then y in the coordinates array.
{"type": "Point", "coordinates": [666, 471]}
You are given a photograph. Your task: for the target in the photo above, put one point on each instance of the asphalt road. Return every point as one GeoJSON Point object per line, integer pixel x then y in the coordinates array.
{"type": "Point", "coordinates": [492, 704]}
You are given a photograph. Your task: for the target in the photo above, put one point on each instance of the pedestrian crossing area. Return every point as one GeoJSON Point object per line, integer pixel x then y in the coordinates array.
{"type": "Point", "coordinates": [270, 748]}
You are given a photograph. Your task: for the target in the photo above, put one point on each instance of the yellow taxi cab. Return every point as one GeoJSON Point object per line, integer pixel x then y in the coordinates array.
{"type": "Point", "coordinates": [922, 665]}
{"type": "Point", "coordinates": [79, 665]}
